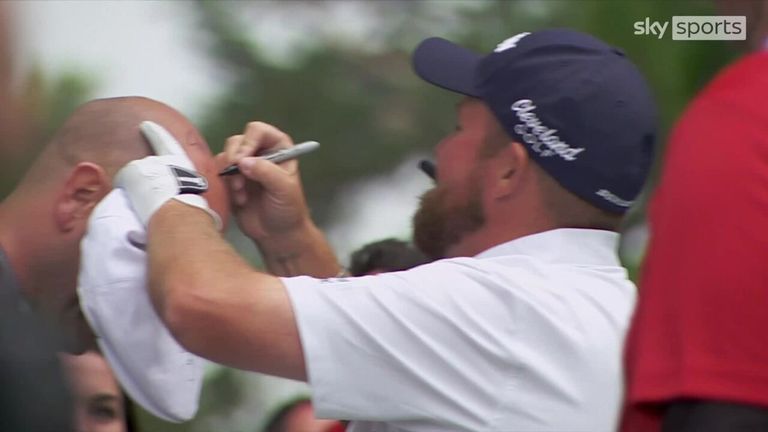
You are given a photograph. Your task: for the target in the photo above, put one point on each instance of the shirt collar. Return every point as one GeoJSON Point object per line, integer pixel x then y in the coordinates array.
{"type": "Point", "coordinates": [564, 245]}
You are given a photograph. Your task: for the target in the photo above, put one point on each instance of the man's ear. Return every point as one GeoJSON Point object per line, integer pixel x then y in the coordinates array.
{"type": "Point", "coordinates": [506, 169]}
{"type": "Point", "coordinates": [85, 186]}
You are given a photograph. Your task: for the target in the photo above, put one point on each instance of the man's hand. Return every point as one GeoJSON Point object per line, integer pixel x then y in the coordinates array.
{"type": "Point", "coordinates": [269, 204]}
{"type": "Point", "coordinates": [152, 181]}
{"type": "Point", "coordinates": [272, 203]}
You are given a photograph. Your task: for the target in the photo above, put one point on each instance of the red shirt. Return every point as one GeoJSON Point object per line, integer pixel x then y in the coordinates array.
{"type": "Point", "coordinates": [701, 325]}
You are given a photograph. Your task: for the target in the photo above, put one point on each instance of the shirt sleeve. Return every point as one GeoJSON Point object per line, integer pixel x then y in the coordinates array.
{"type": "Point", "coordinates": [403, 346]}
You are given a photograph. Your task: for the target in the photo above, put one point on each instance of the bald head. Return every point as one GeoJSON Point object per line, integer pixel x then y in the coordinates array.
{"type": "Point", "coordinates": [106, 132]}
{"type": "Point", "coordinates": [44, 219]}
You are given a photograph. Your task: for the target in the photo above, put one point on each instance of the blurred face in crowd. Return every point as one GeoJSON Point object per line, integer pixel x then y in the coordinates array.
{"type": "Point", "coordinates": [97, 398]}
{"type": "Point", "coordinates": [453, 208]}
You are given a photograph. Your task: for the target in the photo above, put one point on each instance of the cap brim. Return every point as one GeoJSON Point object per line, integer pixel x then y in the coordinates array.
{"type": "Point", "coordinates": [447, 65]}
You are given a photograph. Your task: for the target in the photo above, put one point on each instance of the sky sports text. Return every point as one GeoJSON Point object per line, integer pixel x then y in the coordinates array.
{"type": "Point", "coordinates": [687, 28]}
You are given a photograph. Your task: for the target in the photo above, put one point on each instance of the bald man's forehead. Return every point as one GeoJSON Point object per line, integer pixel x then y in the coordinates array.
{"type": "Point", "coordinates": [201, 156]}
{"type": "Point", "coordinates": [115, 122]}
{"type": "Point", "coordinates": [196, 141]}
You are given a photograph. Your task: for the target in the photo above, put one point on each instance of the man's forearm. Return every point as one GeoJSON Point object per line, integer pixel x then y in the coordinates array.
{"type": "Point", "coordinates": [213, 302]}
{"type": "Point", "coordinates": [303, 252]}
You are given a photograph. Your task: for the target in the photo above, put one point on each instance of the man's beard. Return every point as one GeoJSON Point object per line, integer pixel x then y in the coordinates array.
{"type": "Point", "coordinates": [439, 224]}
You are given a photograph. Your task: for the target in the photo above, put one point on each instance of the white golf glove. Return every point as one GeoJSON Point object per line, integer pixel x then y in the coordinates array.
{"type": "Point", "coordinates": [151, 182]}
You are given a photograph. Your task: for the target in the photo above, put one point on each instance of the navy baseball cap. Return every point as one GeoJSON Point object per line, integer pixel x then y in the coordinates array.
{"type": "Point", "coordinates": [583, 111]}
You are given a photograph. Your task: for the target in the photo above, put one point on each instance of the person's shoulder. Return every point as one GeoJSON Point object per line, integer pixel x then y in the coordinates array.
{"type": "Point", "coordinates": [512, 273]}
{"type": "Point", "coordinates": [739, 83]}
{"type": "Point", "coordinates": [451, 267]}
{"type": "Point", "coordinates": [753, 66]}
{"type": "Point", "coordinates": [513, 264]}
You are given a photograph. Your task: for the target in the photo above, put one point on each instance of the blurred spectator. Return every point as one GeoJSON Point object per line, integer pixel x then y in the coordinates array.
{"type": "Point", "coordinates": [297, 416]}
{"type": "Point", "coordinates": [100, 405]}
{"type": "Point", "coordinates": [31, 381]}
{"type": "Point", "coordinates": [33, 393]}
{"type": "Point", "coordinates": [385, 256]}
{"type": "Point", "coordinates": [43, 221]}
{"type": "Point", "coordinates": [694, 359]}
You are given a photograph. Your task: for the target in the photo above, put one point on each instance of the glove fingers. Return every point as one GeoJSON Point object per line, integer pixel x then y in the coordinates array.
{"type": "Point", "coordinates": [161, 141]}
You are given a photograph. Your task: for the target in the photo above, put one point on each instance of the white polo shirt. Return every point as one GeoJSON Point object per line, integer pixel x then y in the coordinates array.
{"type": "Point", "coordinates": [526, 336]}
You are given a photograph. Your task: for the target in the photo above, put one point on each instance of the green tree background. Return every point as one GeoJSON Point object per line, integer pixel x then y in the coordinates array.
{"type": "Point", "coordinates": [360, 99]}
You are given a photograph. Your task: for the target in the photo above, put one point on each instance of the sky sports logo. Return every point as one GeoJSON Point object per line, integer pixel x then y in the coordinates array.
{"type": "Point", "coordinates": [693, 28]}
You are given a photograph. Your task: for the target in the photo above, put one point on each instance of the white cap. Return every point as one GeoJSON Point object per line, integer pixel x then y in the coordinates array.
{"type": "Point", "coordinates": [151, 366]}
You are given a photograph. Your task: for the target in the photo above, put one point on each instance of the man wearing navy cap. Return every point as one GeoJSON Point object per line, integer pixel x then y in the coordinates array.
{"type": "Point", "coordinates": [520, 322]}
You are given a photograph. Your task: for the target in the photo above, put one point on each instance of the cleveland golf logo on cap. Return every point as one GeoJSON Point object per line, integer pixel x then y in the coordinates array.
{"type": "Point", "coordinates": [612, 198]}
{"type": "Point", "coordinates": [510, 42]}
{"type": "Point", "coordinates": [535, 133]}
